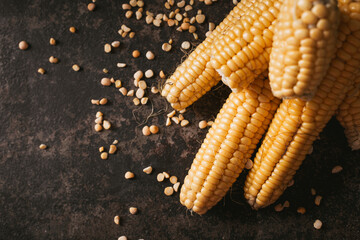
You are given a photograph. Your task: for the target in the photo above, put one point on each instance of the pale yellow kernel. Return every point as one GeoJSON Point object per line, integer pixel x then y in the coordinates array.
{"type": "Point", "coordinates": [42, 146]}
{"type": "Point", "coordinates": [176, 186]}
{"type": "Point", "coordinates": [106, 124]}
{"type": "Point", "coordinates": [101, 149]}
{"type": "Point", "coordinates": [136, 101]}
{"type": "Point", "coordinates": [23, 45]}
{"type": "Point", "coordinates": [118, 84]}
{"type": "Point", "coordinates": [130, 93]}
{"type": "Point", "coordinates": [95, 102]}
{"type": "Point", "coordinates": [148, 170]}
{"type": "Point", "coordinates": [162, 74]}
{"type": "Point", "coordinates": [121, 65]}
{"type": "Point", "coordinates": [317, 224]}
{"type": "Point", "coordinates": [160, 177]}
{"type": "Point", "coordinates": [166, 47]}
{"type": "Point", "coordinates": [168, 122]}
{"type": "Point", "coordinates": [75, 67]}
{"type": "Point", "coordinates": [52, 41]}
{"type": "Point", "coordinates": [173, 179]}
{"type": "Point", "coordinates": [123, 91]}
{"type": "Point", "coordinates": [105, 82]}
{"type": "Point", "coordinates": [41, 71]}
{"type": "Point", "coordinates": [115, 44]}
{"type": "Point", "coordinates": [140, 93]}
{"type": "Point", "coordinates": [53, 59]}
{"type": "Point", "coordinates": [98, 127]}
{"type": "Point", "coordinates": [184, 123]}
{"type": "Point", "coordinates": [129, 175]}
{"type": "Point", "coordinates": [168, 191]}
{"type": "Point", "coordinates": [202, 124]}
{"type": "Point", "coordinates": [171, 114]}
{"type": "Point", "coordinates": [133, 210]}
{"type": "Point", "coordinates": [154, 129]}
{"type": "Point", "coordinates": [72, 29]}
{"type": "Point", "coordinates": [107, 48]}
{"type": "Point", "coordinates": [138, 74]}
{"type": "Point", "coordinates": [99, 114]}
{"type": "Point", "coordinates": [144, 100]}
{"type": "Point", "coordinates": [185, 45]}
{"type": "Point", "coordinates": [166, 175]}
{"type": "Point", "coordinates": [149, 73]}
{"type": "Point", "coordinates": [117, 220]}
{"type": "Point", "coordinates": [91, 6]}
{"type": "Point", "coordinates": [146, 131]}
{"type": "Point", "coordinates": [136, 53]}
{"type": "Point", "coordinates": [150, 55]}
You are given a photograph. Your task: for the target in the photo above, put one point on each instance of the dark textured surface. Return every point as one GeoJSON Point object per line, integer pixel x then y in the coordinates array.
{"type": "Point", "coordinates": [68, 192]}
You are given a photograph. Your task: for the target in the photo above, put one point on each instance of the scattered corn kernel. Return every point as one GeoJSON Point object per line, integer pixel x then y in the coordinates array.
{"type": "Point", "coordinates": [168, 122]}
{"type": "Point", "coordinates": [336, 169]}
{"type": "Point", "coordinates": [144, 100]}
{"type": "Point", "coordinates": [142, 84]}
{"type": "Point", "coordinates": [166, 175]}
{"type": "Point", "coordinates": [107, 48]}
{"type": "Point", "coordinates": [249, 164]}
{"type": "Point", "coordinates": [171, 114]}
{"type": "Point", "coordinates": [72, 29]}
{"type": "Point", "coordinates": [176, 186]}
{"type": "Point", "coordinates": [128, 14]}
{"type": "Point", "coordinates": [154, 90]}
{"type": "Point", "coordinates": [105, 70]}
{"type": "Point", "coordinates": [317, 224]}
{"type": "Point", "coordinates": [101, 149]}
{"type": "Point", "coordinates": [162, 74]}
{"type": "Point", "coordinates": [138, 74]}
{"type": "Point", "coordinates": [185, 45]}
{"type": "Point", "coordinates": [136, 53]}
{"type": "Point", "coordinates": [279, 207]}
{"type": "Point", "coordinates": [318, 199]}
{"type": "Point", "coordinates": [146, 131]}
{"type": "Point", "coordinates": [149, 73]}
{"type": "Point", "coordinates": [166, 47]}
{"type": "Point", "coordinates": [53, 59]}
{"type": "Point", "coordinates": [136, 101]}
{"type": "Point", "coordinates": [130, 93]}
{"type": "Point", "coordinates": [117, 220]}
{"type": "Point", "coordinates": [41, 71]}
{"type": "Point", "coordinates": [168, 191]}
{"type": "Point", "coordinates": [98, 127]}
{"type": "Point", "coordinates": [95, 101]}
{"type": "Point", "coordinates": [301, 210]}
{"type": "Point", "coordinates": [75, 67]}
{"type": "Point", "coordinates": [133, 210]}
{"type": "Point", "coordinates": [200, 18]}
{"type": "Point", "coordinates": [23, 45]}
{"type": "Point", "coordinates": [112, 149]}
{"type": "Point", "coordinates": [105, 82]}
{"type": "Point", "coordinates": [154, 129]}
{"type": "Point", "coordinates": [91, 6]}
{"type": "Point", "coordinates": [147, 170]}
{"type": "Point", "coordinates": [184, 123]}
{"type": "Point", "coordinates": [160, 177]}
{"type": "Point", "coordinates": [175, 120]}
{"type": "Point", "coordinates": [150, 55]}
{"type": "Point", "coordinates": [202, 124]}
{"type": "Point", "coordinates": [123, 91]}
{"type": "Point", "coordinates": [286, 204]}
{"type": "Point", "coordinates": [173, 179]}
{"type": "Point", "coordinates": [104, 155]}
{"type": "Point", "coordinates": [118, 84]}
{"type": "Point", "coordinates": [210, 123]}
{"type": "Point", "coordinates": [106, 124]}
{"type": "Point", "coordinates": [103, 101]}
{"type": "Point", "coordinates": [122, 237]}
{"type": "Point", "coordinates": [52, 41]}
{"type": "Point", "coordinates": [42, 146]}
{"type": "Point", "coordinates": [115, 44]}
{"type": "Point", "coordinates": [99, 114]}
{"type": "Point", "coordinates": [129, 175]}
{"type": "Point", "coordinates": [313, 191]}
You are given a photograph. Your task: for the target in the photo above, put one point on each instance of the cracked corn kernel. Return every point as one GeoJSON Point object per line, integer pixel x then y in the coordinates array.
{"type": "Point", "coordinates": [171, 114]}
{"type": "Point", "coordinates": [117, 220]}
{"type": "Point", "coordinates": [176, 186]}
{"type": "Point", "coordinates": [130, 93]}
{"type": "Point", "coordinates": [99, 114]}
{"type": "Point", "coordinates": [112, 149]}
{"type": "Point", "coordinates": [95, 101]}
{"type": "Point", "coordinates": [98, 127]}
{"type": "Point", "coordinates": [168, 191]}
{"type": "Point", "coordinates": [168, 122]}
{"type": "Point", "coordinates": [140, 93]}
{"type": "Point", "coordinates": [154, 129]}
{"type": "Point", "coordinates": [101, 149]}
{"type": "Point", "coordinates": [129, 175]}
{"type": "Point", "coordinates": [123, 91]}
{"type": "Point", "coordinates": [166, 175]}
{"type": "Point", "coordinates": [41, 71]}
{"type": "Point", "coordinates": [42, 146]}
{"type": "Point", "coordinates": [23, 45]}
{"type": "Point", "coordinates": [166, 47]}
{"type": "Point", "coordinates": [184, 123]}
{"type": "Point", "coordinates": [146, 131]}
{"type": "Point", "coordinates": [75, 67]}
{"type": "Point", "coordinates": [147, 170]}
{"type": "Point", "coordinates": [138, 75]}
{"type": "Point", "coordinates": [133, 210]}
{"type": "Point", "coordinates": [104, 155]}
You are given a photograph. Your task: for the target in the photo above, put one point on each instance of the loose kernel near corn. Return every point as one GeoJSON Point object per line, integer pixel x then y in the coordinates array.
{"type": "Point", "coordinates": [101, 149]}
{"type": "Point", "coordinates": [52, 41]}
{"type": "Point", "coordinates": [168, 191]}
{"type": "Point", "coordinates": [23, 45]}
{"type": "Point", "coordinates": [41, 71]}
{"type": "Point", "coordinates": [115, 44]}
{"type": "Point", "coordinates": [336, 169]}
{"type": "Point", "coordinates": [98, 127]}
{"type": "Point", "coordinates": [91, 6]}
{"type": "Point", "coordinates": [317, 224]}
{"type": "Point", "coordinates": [112, 149]}
{"type": "Point", "coordinates": [117, 220]}
{"type": "Point", "coordinates": [129, 175]}
{"type": "Point", "coordinates": [104, 155]}
{"type": "Point", "coordinates": [173, 179]}
{"type": "Point", "coordinates": [150, 55]}
{"type": "Point", "coordinates": [122, 238]}
{"type": "Point", "coordinates": [106, 124]}
{"type": "Point", "coordinates": [72, 29]}
{"type": "Point", "coordinates": [148, 170]}
{"type": "Point", "coordinates": [133, 210]}
{"type": "Point", "coordinates": [146, 131]}
{"type": "Point", "coordinates": [107, 48]}
{"type": "Point", "coordinates": [103, 101]}
{"type": "Point", "coordinates": [53, 59]}
{"type": "Point", "coordinates": [160, 177]}
{"type": "Point", "coordinates": [136, 53]}
{"type": "Point", "coordinates": [42, 146]}
{"type": "Point", "coordinates": [176, 186]}
{"type": "Point", "coordinates": [75, 67]}
{"type": "Point", "coordinates": [154, 129]}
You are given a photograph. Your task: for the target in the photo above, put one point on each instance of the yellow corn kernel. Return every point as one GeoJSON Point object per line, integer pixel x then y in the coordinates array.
{"type": "Point", "coordinates": [298, 123]}
{"type": "Point", "coordinates": [195, 76]}
{"type": "Point", "coordinates": [348, 115]}
{"type": "Point", "coordinates": [228, 145]}
{"type": "Point", "coordinates": [242, 52]}
{"type": "Point", "coordinates": [303, 45]}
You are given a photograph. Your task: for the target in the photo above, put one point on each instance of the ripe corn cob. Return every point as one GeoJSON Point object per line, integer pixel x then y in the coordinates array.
{"type": "Point", "coordinates": [297, 123]}
{"type": "Point", "coordinates": [229, 143]}
{"type": "Point", "coordinates": [195, 76]}
{"type": "Point", "coordinates": [243, 52]}
{"type": "Point", "coordinates": [303, 45]}
{"type": "Point", "coordinates": [349, 114]}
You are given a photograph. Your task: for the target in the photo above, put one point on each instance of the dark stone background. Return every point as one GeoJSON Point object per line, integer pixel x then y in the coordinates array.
{"type": "Point", "coordinates": [68, 192]}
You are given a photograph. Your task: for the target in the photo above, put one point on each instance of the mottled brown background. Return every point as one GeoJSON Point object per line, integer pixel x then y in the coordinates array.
{"type": "Point", "coordinates": [68, 192]}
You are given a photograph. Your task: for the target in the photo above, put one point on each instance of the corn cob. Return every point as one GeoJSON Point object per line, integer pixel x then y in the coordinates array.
{"type": "Point", "coordinates": [303, 45]}
{"type": "Point", "coordinates": [298, 123]}
{"type": "Point", "coordinates": [243, 52]}
{"type": "Point", "coordinates": [349, 115]}
{"type": "Point", "coordinates": [195, 76]}
{"type": "Point", "coordinates": [229, 143]}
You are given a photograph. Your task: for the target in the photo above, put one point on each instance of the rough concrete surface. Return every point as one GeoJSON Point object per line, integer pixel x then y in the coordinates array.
{"type": "Point", "coordinates": [68, 192]}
